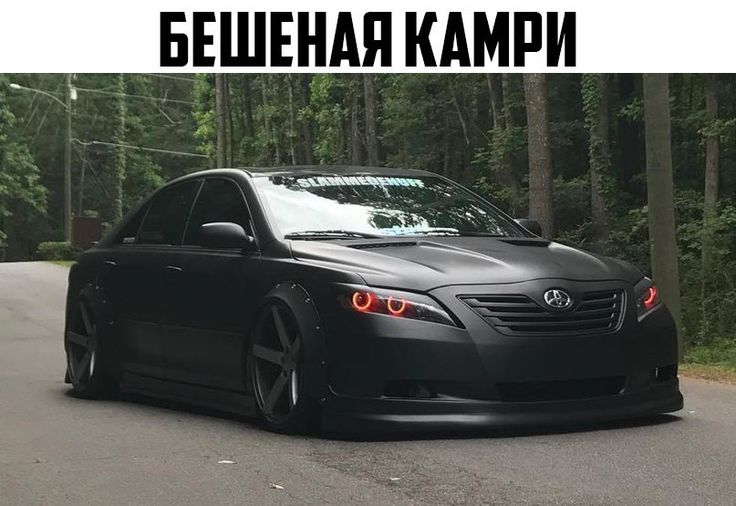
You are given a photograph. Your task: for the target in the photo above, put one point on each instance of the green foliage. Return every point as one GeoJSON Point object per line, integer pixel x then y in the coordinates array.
{"type": "Point", "coordinates": [436, 122]}
{"type": "Point", "coordinates": [203, 111]}
{"type": "Point", "coordinates": [598, 156]}
{"type": "Point", "coordinates": [721, 352]}
{"type": "Point", "coordinates": [21, 191]}
{"type": "Point", "coordinates": [633, 110]}
{"type": "Point", "coordinates": [119, 154]}
{"type": "Point", "coordinates": [56, 250]}
{"type": "Point", "coordinates": [327, 109]}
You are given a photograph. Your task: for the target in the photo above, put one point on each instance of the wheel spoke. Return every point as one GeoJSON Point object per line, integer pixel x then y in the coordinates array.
{"type": "Point", "coordinates": [276, 390]}
{"type": "Point", "coordinates": [92, 362]}
{"type": "Point", "coordinates": [280, 328]}
{"type": "Point", "coordinates": [83, 365]}
{"type": "Point", "coordinates": [76, 338]}
{"type": "Point", "coordinates": [294, 351]}
{"type": "Point", "coordinates": [293, 389]}
{"type": "Point", "coordinates": [267, 354]}
{"type": "Point", "coordinates": [86, 320]}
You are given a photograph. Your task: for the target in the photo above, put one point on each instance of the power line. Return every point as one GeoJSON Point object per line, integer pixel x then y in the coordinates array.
{"type": "Point", "coordinates": [139, 148]}
{"type": "Point", "coordinates": [146, 97]}
{"type": "Point", "coordinates": [178, 78]}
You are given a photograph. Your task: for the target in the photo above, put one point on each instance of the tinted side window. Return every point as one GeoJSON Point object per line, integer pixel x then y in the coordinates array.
{"type": "Point", "coordinates": [130, 229]}
{"type": "Point", "coordinates": [219, 200]}
{"type": "Point", "coordinates": [167, 216]}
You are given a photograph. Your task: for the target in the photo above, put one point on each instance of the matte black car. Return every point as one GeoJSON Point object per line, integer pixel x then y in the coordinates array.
{"type": "Point", "coordinates": [353, 298]}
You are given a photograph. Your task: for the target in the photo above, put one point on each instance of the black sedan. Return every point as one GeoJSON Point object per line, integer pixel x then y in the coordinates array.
{"type": "Point", "coordinates": [353, 298]}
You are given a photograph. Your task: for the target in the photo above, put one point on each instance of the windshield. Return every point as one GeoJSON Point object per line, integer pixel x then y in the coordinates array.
{"type": "Point", "coordinates": [370, 206]}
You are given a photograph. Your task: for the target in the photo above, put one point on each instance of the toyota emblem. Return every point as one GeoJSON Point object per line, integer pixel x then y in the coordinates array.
{"type": "Point", "coordinates": [558, 299]}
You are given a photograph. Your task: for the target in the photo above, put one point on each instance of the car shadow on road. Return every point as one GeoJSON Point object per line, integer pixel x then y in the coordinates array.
{"type": "Point", "coordinates": [407, 434]}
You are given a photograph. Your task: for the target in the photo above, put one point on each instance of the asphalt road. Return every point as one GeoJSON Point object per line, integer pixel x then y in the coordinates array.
{"type": "Point", "coordinates": [55, 449]}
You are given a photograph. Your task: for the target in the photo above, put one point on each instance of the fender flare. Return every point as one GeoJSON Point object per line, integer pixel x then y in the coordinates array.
{"type": "Point", "coordinates": [94, 296]}
{"type": "Point", "coordinates": [300, 302]}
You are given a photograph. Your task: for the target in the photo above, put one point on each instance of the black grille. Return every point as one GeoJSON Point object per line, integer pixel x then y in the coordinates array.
{"type": "Point", "coordinates": [597, 312]}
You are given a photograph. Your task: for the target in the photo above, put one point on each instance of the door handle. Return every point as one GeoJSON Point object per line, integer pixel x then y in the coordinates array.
{"type": "Point", "coordinates": [110, 263]}
{"type": "Point", "coordinates": [173, 268]}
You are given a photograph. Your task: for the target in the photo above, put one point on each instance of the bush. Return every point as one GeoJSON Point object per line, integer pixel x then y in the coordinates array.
{"type": "Point", "coordinates": [56, 250]}
{"type": "Point", "coordinates": [721, 352]}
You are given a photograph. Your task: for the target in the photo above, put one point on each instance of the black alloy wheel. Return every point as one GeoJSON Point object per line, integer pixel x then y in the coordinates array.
{"type": "Point", "coordinates": [277, 371]}
{"type": "Point", "coordinates": [85, 368]}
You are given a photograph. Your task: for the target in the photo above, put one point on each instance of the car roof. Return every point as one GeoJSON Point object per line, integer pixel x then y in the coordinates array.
{"type": "Point", "coordinates": [297, 170]}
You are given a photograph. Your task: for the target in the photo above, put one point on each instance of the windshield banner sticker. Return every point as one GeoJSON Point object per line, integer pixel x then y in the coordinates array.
{"type": "Point", "coordinates": [323, 181]}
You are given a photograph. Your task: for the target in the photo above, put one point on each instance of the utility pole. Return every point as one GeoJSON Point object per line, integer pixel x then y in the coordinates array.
{"type": "Point", "coordinates": [68, 161]}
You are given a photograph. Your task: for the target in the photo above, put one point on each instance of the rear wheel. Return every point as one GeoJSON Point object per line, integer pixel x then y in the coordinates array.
{"type": "Point", "coordinates": [86, 370]}
{"type": "Point", "coordinates": [277, 370]}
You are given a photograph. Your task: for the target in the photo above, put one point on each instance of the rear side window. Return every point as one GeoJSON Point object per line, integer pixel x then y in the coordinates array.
{"type": "Point", "coordinates": [220, 200]}
{"type": "Point", "coordinates": [130, 229]}
{"type": "Point", "coordinates": [167, 215]}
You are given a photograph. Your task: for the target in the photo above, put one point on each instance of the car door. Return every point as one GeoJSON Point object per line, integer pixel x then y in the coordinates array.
{"type": "Point", "coordinates": [137, 273]}
{"type": "Point", "coordinates": [210, 296]}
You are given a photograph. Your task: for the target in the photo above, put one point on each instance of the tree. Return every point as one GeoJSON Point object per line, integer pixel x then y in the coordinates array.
{"type": "Point", "coordinates": [660, 191]}
{"type": "Point", "coordinates": [221, 121]}
{"type": "Point", "coordinates": [540, 156]}
{"type": "Point", "coordinates": [371, 135]}
{"type": "Point", "coordinates": [594, 88]}
{"type": "Point", "coordinates": [501, 142]}
{"type": "Point", "coordinates": [356, 140]}
{"type": "Point", "coordinates": [119, 153]}
{"type": "Point", "coordinates": [712, 159]}
{"type": "Point", "coordinates": [21, 192]}
{"type": "Point", "coordinates": [305, 119]}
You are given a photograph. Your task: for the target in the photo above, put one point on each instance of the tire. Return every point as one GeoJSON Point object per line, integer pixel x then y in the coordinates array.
{"type": "Point", "coordinates": [276, 359]}
{"type": "Point", "coordinates": [87, 363]}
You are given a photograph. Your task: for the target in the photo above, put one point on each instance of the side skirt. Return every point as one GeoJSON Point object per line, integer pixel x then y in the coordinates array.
{"type": "Point", "coordinates": [210, 398]}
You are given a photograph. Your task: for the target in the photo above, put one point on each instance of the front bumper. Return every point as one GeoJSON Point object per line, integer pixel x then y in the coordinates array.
{"type": "Point", "coordinates": [386, 372]}
{"type": "Point", "coordinates": [343, 414]}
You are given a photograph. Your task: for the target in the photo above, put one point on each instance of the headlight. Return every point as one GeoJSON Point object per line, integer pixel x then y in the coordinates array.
{"type": "Point", "coordinates": [393, 303]}
{"type": "Point", "coordinates": [647, 297]}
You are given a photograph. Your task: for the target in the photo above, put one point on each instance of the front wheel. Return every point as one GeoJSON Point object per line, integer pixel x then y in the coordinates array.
{"type": "Point", "coordinates": [85, 367]}
{"type": "Point", "coordinates": [277, 372]}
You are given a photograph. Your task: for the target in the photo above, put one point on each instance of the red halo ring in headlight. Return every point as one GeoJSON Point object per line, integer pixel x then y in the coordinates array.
{"type": "Point", "coordinates": [362, 301]}
{"type": "Point", "coordinates": [395, 310]}
{"type": "Point", "coordinates": [650, 297]}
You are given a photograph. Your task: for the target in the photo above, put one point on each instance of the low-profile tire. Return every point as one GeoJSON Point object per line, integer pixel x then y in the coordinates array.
{"type": "Point", "coordinates": [276, 361]}
{"type": "Point", "coordinates": [87, 364]}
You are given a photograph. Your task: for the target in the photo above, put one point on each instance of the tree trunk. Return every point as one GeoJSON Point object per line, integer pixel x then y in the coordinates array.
{"type": "Point", "coordinates": [307, 126]}
{"type": "Point", "coordinates": [119, 157]}
{"type": "Point", "coordinates": [371, 136]}
{"type": "Point", "coordinates": [228, 123]}
{"type": "Point", "coordinates": [660, 192]}
{"type": "Point", "coordinates": [220, 121]}
{"type": "Point", "coordinates": [267, 120]}
{"type": "Point", "coordinates": [596, 112]}
{"type": "Point", "coordinates": [495, 90]}
{"type": "Point", "coordinates": [293, 138]}
{"type": "Point", "coordinates": [355, 139]}
{"type": "Point", "coordinates": [712, 152]}
{"type": "Point", "coordinates": [500, 140]}
{"type": "Point", "coordinates": [710, 203]}
{"type": "Point", "coordinates": [249, 126]}
{"type": "Point", "coordinates": [540, 157]}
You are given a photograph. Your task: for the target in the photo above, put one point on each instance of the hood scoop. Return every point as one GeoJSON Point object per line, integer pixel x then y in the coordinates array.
{"type": "Point", "coordinates": [391, 244]}
{"type": "Point", "coordinates": [526, 241]}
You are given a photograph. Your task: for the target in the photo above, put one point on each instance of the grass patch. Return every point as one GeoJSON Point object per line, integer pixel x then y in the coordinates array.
{"type": "Point", "coordinates": [713, 361]}
{"type": "Point", "coordinates": [63, 263]}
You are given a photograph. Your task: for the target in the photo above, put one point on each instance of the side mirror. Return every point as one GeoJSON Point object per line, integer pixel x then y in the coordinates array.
{"type": "Point", "coordinates": [224, 235]}
{"type": "Point", "coordinates": [532, 226]}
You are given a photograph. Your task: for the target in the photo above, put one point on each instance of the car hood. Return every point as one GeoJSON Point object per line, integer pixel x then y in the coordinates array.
{"type": "Point", "coordinates": [426, 264]}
